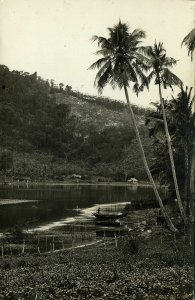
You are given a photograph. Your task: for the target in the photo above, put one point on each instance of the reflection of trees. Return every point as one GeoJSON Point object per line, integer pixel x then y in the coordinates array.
{"type": "Point", "coordinates": [133, 187]}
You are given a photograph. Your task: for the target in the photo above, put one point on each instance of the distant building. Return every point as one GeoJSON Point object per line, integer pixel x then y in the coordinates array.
{"type": "Point", "coordinates": [132, 180]}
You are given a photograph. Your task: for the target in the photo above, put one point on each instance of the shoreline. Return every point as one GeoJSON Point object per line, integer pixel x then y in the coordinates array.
{"type": "Point", "coordinates": [15, 201]}
{"type": "Point", "coordinates": [83, 183]}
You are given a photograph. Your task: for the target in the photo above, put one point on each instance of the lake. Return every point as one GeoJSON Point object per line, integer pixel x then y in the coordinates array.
{"type": "Point", "coordinates": [45, 207]}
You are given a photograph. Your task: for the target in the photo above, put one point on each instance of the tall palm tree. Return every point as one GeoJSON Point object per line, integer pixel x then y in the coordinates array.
{"type": "Point", "coordinates": [120, 64]}
{"type": "Point", "coordinates": [184, 117]}
{"type": "Point", "coordinates": [160, 64]}
{"type": "Point", "coordinates": [189, 41]}
{"type": "Point", "coordinates": [180, 122]}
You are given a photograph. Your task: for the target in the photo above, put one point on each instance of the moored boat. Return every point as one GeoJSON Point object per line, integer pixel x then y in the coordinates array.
{"type": "Point", "coordinates": [107, 216]}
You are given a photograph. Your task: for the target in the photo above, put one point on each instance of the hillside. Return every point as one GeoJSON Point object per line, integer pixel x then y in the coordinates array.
{"type": "Point", "coordinates": [91, 111]}
{"type": "Point", "coordinates": [48, 132]}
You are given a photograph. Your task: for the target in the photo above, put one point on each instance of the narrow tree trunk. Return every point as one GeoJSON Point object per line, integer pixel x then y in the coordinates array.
{"type": "Point", "coordinates": [171, 157]}
{"type": "Point", "coordinates": [186, 179]}
{"type": "Point", "coordinates": [191, 191]}
{"type": "Point", "coordinates": [168, 220]}
{"type": "Point", "coordinates": [188, 154]}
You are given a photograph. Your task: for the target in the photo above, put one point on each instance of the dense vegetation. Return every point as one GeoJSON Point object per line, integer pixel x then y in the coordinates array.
{"type": "Point", "coordinates": [181, 127]}
{"type": "Point", "coordinates": [50, 132]}
{"type": "Point", "coordinates": [180, 120]}
{"type": "Point", "coordinates": [134, 270]}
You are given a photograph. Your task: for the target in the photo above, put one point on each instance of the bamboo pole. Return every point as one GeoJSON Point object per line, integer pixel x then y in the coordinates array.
{"type": "Point", "coordinates": [38, 246]}
{"type": "Point", "coordinates": [46, 243]}
{"type": "Point", "coordinates": [10, 248]}
{"type": "Point", "coordinates": [85, 236]}
{"type": "Point", "coordinates": [53, 243]}
{"type": "Point", "coordinates": [23, 247]}
{"type": "Point", "coordinates": [115, 240]}
{"type": "Point", "coordinates": [2, 252]}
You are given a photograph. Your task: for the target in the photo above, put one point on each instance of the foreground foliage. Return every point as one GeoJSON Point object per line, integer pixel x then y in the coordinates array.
{"type": "Point", "coordinates": [159, 269]}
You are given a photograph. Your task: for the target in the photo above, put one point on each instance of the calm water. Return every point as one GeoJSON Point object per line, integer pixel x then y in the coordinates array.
{"type": "Point", "coordinates": [57, 205]}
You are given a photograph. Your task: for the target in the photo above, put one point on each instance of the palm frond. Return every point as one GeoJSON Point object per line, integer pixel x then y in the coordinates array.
{"type": "Point", "coordinates": [142, 77]}
{"type": "Point", "coordinates": [169, 79]}
{"type": "Point", "coordinates": [146, 50]}
{"type": "Point", "coordinates": [103, 42]}
{"type": "Point", "coordinates": [189, 42]}
{"type": "Point", "coordinates": [138, 34]}
{"type": "Point", "coordinates": [101, 71]}
{"type": "Point", "coordinates": [104, 52]}
{"type": "Point", "coordinates": [142, 60]}
{"type": "Point", "coordinates": [169, 62]}
{"type": "Point", "coordinates": [136, 88]}
{"type": "Point", "coordinates": [99, 63]}
{"type": "Point", "coordinates": [117, 81]}
{"type": "Point", "coordinates": [151, 76]}
{"type": "Point", "coordinates": [104, 79]}
{"type": "Point", "coordinates": [147, 82]}
{"type": "Point", "coordinates": [130, 72]}
{"type": "Point", "coordinates": [103, 76]}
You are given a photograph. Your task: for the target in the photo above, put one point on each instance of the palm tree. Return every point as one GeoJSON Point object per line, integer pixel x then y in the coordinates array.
{"type": "Point", "coordinates": [184, 117]}
{"type": "Point", "coordinates": [180, 122]}
{"type": "Point", "coordinates": [189, 41]}
{"type": "Point", "coordinates": [160, 64]}
{"type": "Point", "coordinates": [120, 64]}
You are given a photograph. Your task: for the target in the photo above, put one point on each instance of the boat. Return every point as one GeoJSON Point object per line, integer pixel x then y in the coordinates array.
{"type": "Point", "coordinates": [108, 216]}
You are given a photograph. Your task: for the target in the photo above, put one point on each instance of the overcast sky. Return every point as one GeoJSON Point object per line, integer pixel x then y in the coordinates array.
{"type": "Point", "coordinates": [52, 37]}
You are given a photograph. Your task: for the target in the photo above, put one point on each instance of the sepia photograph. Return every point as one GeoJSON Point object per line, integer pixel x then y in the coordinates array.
{"type": "Point", "coordinates": [97, 149]}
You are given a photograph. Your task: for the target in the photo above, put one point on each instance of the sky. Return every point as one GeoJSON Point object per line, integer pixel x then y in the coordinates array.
{"type": "Point", "coordinates": [53, 38]}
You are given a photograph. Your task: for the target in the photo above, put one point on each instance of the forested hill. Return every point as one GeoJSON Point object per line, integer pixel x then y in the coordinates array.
{"type": "Point", "coordinates": [50, 131]}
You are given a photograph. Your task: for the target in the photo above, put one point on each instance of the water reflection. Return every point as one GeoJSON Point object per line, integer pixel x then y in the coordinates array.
{"type": "Point", "coordinates": [60, 204]}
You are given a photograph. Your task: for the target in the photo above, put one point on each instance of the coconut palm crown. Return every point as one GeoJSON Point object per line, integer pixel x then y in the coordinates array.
{"type": "Point", "coordinates": [121, 62]}
{"type": "Point", "coordinates": [160, 65]}
{"type": "Point", "coordinates": [189, 41]}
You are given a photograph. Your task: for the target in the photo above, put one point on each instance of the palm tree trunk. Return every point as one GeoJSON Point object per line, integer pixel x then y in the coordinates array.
{"type": "Point", "coordinates": [191, 191]}
{"type": "Point", "coordinates": [130, 111]}
{"type": "Point", "coordinates": [186, 179]}
{"type": "Point", "coordinates": [171, 156]}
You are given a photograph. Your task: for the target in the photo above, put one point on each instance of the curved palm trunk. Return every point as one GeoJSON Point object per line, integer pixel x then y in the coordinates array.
{"type": "Point", "coordinates": [168, 220]}
{"type": "Point", "coordinates": [171, 156]}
